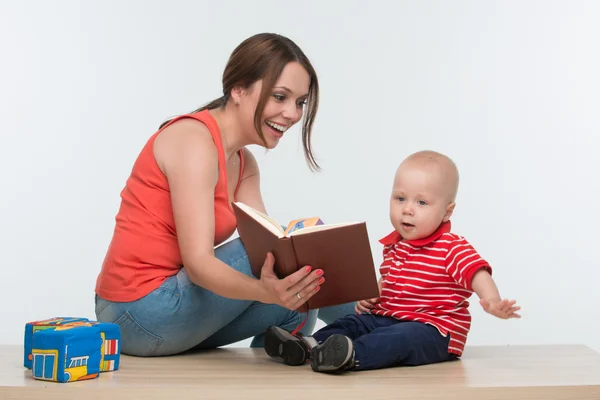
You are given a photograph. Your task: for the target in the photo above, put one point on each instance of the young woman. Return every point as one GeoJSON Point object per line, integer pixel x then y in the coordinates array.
{"type": "Point", "coordinates": [168, 280]}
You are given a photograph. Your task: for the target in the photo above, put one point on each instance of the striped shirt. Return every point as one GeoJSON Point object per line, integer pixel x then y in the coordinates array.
{"type": "Point", "coordinates": [429, 280]}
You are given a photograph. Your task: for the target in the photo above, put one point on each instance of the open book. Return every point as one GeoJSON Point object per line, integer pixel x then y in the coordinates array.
{"type": "Point", "coordinates": [342, 251]}
{"type": "Point", "coordinates": [295, 227]}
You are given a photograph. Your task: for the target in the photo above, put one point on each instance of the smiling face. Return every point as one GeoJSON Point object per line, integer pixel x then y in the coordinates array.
{"type": "Point", "coordinates": [283, 108]}
{"type": "Point", "coordinates": [423, 194]}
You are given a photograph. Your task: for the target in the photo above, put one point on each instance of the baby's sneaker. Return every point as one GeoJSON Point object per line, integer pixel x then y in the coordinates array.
{"type": "Point", "coordinates": [290, 349]}
{"type": "Point", "coordinates": [336, 354]}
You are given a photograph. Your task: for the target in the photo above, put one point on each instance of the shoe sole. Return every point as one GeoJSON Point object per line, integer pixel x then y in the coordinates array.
{"type": "Point", "coordinates": [332, 355]}
{"type": "Point", "coordinates": [283, 346]}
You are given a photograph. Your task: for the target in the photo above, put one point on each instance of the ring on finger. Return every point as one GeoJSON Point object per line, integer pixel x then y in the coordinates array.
{"type": "Point", "coordinates": [298, 296]}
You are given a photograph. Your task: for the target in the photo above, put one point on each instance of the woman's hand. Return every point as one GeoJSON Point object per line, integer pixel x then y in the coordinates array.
{"type": "Point", "coordinates": [292, 291]}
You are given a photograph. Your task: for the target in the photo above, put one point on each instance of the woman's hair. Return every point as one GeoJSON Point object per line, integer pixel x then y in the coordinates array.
{"type": "Point", "coordinates": [263, 56]}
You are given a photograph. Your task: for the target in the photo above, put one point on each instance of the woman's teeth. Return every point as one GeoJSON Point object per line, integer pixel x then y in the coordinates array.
{"type": "Point", "coordinates": [278, 127]}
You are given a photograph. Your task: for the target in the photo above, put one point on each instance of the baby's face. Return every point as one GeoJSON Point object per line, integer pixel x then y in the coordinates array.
{"type": "Point", "coordinates": [420, 201]}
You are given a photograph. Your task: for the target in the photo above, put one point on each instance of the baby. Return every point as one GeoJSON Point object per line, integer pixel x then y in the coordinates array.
{"type": "Point", "coordinates": [427, 275]}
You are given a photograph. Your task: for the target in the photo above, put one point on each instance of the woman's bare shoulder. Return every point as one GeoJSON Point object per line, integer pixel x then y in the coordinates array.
{"type": "Point", "coordinates": [185, 141]}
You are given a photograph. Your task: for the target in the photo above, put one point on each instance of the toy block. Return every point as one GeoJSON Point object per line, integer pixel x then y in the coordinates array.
{"type": "Point", "coordinates": [36, 326]}
{"type": "Point", "coordinates": [111, 349]}
{"type": "Point", "coordinates": [67, 353]}
{"type": "Point", "coordinates": [110, 334]}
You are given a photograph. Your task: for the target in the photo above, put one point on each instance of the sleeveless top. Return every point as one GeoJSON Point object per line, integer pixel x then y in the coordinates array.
{"type": "Point", "coordinates": [144, 250]}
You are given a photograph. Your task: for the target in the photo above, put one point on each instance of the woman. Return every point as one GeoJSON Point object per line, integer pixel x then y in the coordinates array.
{"type": "Point", "coordinates": [173, 289]}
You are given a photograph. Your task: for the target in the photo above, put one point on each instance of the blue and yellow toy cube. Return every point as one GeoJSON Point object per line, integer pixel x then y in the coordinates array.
{"type": "Point", "coordinates": [36, 326]}
{"type": "Point", "coordinates": [76, 341]}
{"type": "Point", "coordinates": [67, 354]}
{"type": "Point", "coordinates": [110, 351]}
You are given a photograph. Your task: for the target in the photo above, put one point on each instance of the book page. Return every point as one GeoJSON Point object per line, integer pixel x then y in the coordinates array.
{"type": "Point", "coordinates": [301, 223]}
{"type": "Point", "coordinates": [321, 228]}
{"type": "Point", "coordinates": [262, 219]}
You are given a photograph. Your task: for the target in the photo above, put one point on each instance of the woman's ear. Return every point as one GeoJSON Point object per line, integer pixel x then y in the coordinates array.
{"type": "Point", "coordinates": [236, 94]}
{"type": "Point", "coordinates": [449, 211]}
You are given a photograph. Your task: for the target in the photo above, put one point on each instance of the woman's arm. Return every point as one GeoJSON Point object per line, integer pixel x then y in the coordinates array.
{"type": "Point", "coordinates": [186, 154]}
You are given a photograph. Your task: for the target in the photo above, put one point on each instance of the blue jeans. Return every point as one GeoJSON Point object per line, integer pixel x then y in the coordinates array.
{"type": "Point", "coordinates": [179, 315]}
{"type": "Point", "coordinates": [383, 342]}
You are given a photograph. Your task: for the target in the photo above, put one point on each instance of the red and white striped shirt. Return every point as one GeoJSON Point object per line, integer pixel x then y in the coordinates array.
{"type": "Point", "coordinates": [429, 280]}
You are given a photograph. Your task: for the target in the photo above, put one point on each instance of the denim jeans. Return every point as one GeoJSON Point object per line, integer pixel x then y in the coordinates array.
{"type": "Point", "coordinates": [179, 315]}
{"type": "Point", "coordinates": [383, 342]}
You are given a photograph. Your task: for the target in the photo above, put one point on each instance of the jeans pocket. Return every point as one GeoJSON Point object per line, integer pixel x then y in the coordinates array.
{"type": "Point", "coordinates": [135, 340]}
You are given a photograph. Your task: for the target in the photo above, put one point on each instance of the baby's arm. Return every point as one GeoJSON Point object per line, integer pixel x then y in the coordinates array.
{"type": "Point", "coordinates": [484, 286]}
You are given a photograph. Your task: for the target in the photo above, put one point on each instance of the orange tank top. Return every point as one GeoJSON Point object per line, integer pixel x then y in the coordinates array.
{"type": "Point", "coordinates": [144, 250]}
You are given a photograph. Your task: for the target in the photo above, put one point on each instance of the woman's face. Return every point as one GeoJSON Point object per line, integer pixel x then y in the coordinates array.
{"type": "Point", "coordinates": [284, 107]}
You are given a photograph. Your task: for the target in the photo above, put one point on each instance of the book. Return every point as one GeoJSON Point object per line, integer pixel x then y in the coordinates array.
{"type": "Point", "coordinates": [341, 250]}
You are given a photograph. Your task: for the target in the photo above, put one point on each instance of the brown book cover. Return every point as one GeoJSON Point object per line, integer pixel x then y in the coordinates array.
{"type": "Point", "coordinates": [342, 251]}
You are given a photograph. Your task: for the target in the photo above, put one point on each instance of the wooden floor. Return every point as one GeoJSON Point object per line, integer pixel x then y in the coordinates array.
{"type": "Point", "coordinates": [515, 372]}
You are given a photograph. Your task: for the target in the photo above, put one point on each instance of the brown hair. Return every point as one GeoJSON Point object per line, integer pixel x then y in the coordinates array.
{"type": "Point", "coordinates": [263, 56]}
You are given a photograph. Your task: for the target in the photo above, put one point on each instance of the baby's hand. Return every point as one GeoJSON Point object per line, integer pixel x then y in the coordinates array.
{"type": "Point", "coordinates": [503, 309]}
{"type": "Point", "coordinates": [364, 306]}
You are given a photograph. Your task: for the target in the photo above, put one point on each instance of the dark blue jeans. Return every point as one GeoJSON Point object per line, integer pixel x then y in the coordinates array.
{"type": "Point", "coordinates": [382, 342]}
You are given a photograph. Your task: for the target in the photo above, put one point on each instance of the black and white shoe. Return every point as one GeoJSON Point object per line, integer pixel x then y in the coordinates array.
{"type": "Point", "coordinates": [336, 354]}
{"type": "Point", "coordinates": [283, 346]}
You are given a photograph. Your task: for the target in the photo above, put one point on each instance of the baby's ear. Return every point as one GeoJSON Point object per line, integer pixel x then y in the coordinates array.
{"type": "Point", "coordinates": [449, 211]}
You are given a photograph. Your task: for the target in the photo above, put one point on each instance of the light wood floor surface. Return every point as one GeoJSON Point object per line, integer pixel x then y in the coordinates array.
{"type": "Point", "coordinates": [514, 372]}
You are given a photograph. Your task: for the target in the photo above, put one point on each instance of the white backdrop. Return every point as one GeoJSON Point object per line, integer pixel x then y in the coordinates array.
{"type": "Point", "coordinates": [510, 90]}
